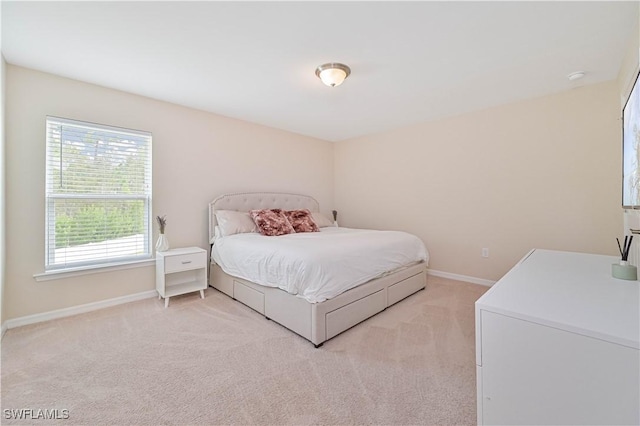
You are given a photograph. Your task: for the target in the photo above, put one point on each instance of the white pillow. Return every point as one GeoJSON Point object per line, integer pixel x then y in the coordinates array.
{"type": "Point", "coordinates": [321, 220]}
{"type": "Point", "coordinates": [216, 235]}
{"type": "Point", "coordinates": [232, 222]}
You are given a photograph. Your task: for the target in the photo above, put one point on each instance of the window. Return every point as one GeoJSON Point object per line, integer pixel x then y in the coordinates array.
{"type": "Point", "coordinates": [98, 194]}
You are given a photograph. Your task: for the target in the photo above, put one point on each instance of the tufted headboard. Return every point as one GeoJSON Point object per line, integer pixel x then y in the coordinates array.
{"type": "Point", "coordinates": [246, 201]}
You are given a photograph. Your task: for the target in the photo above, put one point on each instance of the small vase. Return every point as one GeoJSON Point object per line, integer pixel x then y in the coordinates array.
{"type": "Point", "coordinates": [624, 271]}
{"type": "Point", "coordinates": [162, 244]}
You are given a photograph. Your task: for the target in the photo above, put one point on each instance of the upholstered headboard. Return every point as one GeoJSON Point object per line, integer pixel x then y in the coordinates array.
{"type": "Point", "coordinates": [246, 201]}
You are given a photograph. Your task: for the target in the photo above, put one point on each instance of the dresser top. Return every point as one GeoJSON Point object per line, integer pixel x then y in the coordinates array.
{"type": "Point", "coordinates": [569, 291]}
{"type": "Point", "coordinates": [180, 251]}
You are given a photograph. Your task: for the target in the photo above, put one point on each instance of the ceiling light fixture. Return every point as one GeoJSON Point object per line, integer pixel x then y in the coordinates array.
{"type": "Point", "coordinates": [576, 75]}
{"type": "Point", "coordinates": [333, 74]}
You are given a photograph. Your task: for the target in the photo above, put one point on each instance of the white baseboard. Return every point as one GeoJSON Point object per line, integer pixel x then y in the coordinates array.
{"type": "Point", "coordinates": [4, 330]}
{"type": "Point", "coordinates": [75, 310]}
{"type": "Point", "coordinates": [80, 309]}
{"type": "Point", "coordinates": [459, 277]}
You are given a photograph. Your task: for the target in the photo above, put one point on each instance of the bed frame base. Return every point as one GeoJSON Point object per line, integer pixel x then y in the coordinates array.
{"type": "Point", "coordinates": [319, 322]}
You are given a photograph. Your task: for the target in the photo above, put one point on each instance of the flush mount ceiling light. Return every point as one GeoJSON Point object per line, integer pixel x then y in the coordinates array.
{"type": "Point", "coordinates": [333, 74]}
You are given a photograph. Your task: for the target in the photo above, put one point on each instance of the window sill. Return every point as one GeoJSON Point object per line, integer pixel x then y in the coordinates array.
{"type": "Point", "coordinates": [58, 274]}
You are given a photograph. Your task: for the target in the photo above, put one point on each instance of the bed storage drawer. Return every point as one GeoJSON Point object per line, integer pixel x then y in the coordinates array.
{"type": "Point", "coordinates": [405, 288]}
{"type": "Point", "coordinates": [221, 281]}
{"type": "Point", "coordinates": [250, 297]}
{"type": "Point", "coordinates": [343, 318]}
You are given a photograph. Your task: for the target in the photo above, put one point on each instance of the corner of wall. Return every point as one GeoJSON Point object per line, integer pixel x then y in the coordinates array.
{"type": "Point", "coordinates": [2, 184]}
{"type": "Point", "coordinates": [630, 65]}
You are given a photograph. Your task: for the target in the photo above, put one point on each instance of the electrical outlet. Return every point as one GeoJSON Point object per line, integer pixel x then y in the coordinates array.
{"type": "Point", "coordinates": [485, 252]}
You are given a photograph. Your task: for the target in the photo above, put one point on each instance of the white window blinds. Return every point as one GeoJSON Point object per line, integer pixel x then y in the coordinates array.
{"type": "Point", "coordinates": [98, 194]}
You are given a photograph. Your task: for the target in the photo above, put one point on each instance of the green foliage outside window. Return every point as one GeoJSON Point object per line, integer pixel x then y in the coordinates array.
{"type": "Point", "coordinates": [96, 222]}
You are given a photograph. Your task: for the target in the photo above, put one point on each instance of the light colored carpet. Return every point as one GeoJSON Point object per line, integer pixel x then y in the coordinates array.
{"type": "Point", "coordinates": [215, 361]}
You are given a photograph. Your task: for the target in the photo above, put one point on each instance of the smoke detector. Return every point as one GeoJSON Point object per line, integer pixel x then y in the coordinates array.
{"type": "Point", "coordinates": [576, 75]}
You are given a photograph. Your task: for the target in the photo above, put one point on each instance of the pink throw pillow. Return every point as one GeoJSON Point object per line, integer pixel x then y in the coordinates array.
{"type": "Point", "coordinates": [301, 220]}
{"type": "Point", "coordinates": [271, 222]}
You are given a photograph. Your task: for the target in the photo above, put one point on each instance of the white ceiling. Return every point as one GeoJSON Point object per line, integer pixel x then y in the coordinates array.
{"type": "Point", "coordinates": [411, 61]}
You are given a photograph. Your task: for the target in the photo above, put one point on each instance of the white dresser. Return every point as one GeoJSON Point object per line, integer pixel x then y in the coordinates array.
{"type": "Point", "coordinates": [558, 342]}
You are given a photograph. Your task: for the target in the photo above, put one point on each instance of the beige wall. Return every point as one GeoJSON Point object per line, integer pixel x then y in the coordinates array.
{"type": "Point", "coordinates": [2, 188]}
{"type": "Point", "coordinates": [540, 173]}
{"type": "Point", "coordinates": [196, 157]}
{"type": "Point", "coordinates": [2, 179]}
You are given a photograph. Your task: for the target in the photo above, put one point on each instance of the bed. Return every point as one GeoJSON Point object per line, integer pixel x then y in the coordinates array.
{"type": "Point", "coordinates": [302, 298]}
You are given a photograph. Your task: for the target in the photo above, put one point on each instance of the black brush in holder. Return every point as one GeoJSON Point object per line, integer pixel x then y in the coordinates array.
{"type": "Point", "coordinates": [623, 270]}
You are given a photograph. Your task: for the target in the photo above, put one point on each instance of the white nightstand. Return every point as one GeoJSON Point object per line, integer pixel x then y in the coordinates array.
{"type": "Point", "coordinates": [181, 271]}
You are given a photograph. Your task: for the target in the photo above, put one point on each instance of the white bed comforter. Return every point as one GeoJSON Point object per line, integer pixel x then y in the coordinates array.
{"type": "Point", "coordinates": [317, 265]}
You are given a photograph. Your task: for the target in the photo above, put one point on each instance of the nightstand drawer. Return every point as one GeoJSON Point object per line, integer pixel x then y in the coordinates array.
{"type": "Point", "coordinates": [185, 262]}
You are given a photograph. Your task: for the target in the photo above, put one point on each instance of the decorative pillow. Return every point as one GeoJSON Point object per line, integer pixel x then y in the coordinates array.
{"type": "Point", "coordinates": [321, 220]}
{"type": "Point", "coordinates": [271, 222]}
{"type": "Point", "coordinates": [301, 220]}
{"type": "Point", "coordinates": [232, 222]}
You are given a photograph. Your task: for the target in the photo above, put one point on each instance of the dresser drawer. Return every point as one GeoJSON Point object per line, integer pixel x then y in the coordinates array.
{"type": "Point", "coordinates": [184, 262]}
{"type": "Point", "coordinates": [343, 318]}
